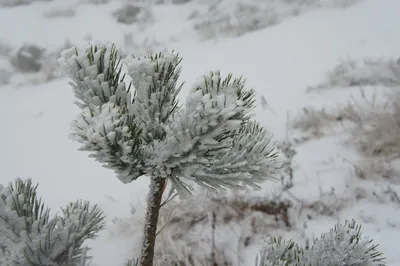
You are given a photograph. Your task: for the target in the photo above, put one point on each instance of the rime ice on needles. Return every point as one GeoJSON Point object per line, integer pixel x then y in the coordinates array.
{"type": "Point", "coordinates": [28, 236]}
{"type": "Point", "coordinates": [96, 75]}
{"type": "Point", "coordinates": [343, 245]}
{"type": "Point", "coordinates": [103, 128]}
{"type": "Point", "coordinates": [106, 133]}
{"type": "Point", "coordinates": [155, 78]}
{"type": "Point", "coordinates": [210, 140]}
{"type": "Point", "coordinates": [215, 142]}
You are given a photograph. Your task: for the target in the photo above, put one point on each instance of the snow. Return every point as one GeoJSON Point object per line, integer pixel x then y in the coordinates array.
{"type": "Point", "coordinates": [280, 62]}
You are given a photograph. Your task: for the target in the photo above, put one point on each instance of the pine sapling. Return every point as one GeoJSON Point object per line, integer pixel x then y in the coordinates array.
{"type": "Point", "coordinates": [138, 128]}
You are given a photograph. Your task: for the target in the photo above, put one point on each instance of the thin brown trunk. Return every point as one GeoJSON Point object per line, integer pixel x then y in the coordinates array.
{"type": "Point", "coordinates": [150, 227]}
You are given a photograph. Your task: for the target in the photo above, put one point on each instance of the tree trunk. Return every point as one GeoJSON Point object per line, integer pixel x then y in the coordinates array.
{"type": "Point", "coordinates": [150, 226]}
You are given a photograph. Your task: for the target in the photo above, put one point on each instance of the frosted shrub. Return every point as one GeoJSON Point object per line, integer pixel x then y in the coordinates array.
{"type": "Point", "coordinates": [235, 18]}
{"type": "Point", "coordinates": [5, 76]}
{"type": "Point", "coordinates": [62, 12]}
{"type": "Point", "coordinates": [342, 245]}
{"type": "Point", "coordinates": [10, 3]}
{"type": "Point", "coordinates": [379, 133]}
{"type": "Point", "coordinates": [180, 2]}
{"type": "Point", "coordinates": [238, 17]}
{"type": "Point", "coordinates": [14, 2]}
{"type": "Point", "coordinates": [28, 236]}
{"type": "Point", "coordinates": [28, 58]}
{"type": "Point", "coordinates": [129, 14]}
{"type": "Point", "coordinates": [141, 129]}
{"type": "Point", "coordinates": [5, 49]}
{"type": "Point", "coordinates": [377, 121]}
{"type": "Point", "coordinates": [95, 2]}
{"type": "Point", "coordinates": [351, 73]}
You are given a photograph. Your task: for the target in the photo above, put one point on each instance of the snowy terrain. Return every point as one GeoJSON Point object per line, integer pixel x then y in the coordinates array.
{"type": "Point", "coordinates": [281, 61]}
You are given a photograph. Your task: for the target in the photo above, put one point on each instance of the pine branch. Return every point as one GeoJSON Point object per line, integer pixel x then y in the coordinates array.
{"type": "Point", "coordinates": [155, 78]}
{"type": "Point", "coordinates": [107, 133]}
{"type": "Point", "coordinates": [29, 237]}
{"type": "Point", "coordinates": [214, 142]}
{"type": "Point", "coordinates": [21, 214]}
{"type": "Point", "coordinates": [343, 245]}
{"type": "Point", "coordinates": [96, 75]}
{"type": "Point", "coordinates": [213, 85]}
{"type": "Point", "coordinates": [250, 160]}
{"type": "Point", "coordinates": [105, 127]}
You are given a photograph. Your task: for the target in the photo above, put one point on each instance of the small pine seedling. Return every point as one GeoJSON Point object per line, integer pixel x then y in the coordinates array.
{"type": "Point", "coordinates": [139, 128]}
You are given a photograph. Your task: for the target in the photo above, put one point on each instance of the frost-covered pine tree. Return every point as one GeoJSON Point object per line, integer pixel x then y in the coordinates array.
{"type": "Point", "coordinates": [342, 245]}
{"type": "Point", "coordinates": [28, 236]}
{"type": "Point", "coordinates": [139, 128]}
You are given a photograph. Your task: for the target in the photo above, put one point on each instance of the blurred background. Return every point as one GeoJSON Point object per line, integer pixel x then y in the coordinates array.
{"type": "Point", "coordinates": [327, 76]}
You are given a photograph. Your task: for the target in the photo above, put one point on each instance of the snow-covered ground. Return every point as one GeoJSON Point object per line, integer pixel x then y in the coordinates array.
{"type": "Point", "coordinates": [280, 61]}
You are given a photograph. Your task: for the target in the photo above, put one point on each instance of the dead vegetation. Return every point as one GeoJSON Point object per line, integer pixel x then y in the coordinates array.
{"type": "Point", "coordinates": [373, 169]}
{"type": "Point", "coordinates": [213, 229]}
{"type": "Point", "coordinates": [379, 134]}
{"type": "Point", "coordinates": [189, 233]}
{"type": "Point", "coordinates": [223, 18]}
{"type": "Point", "coordinates": [373, 125]}
{"type": "Point", "coordinates": [314, 121]}
{"type": "Point", "coordinates": [369, 72]}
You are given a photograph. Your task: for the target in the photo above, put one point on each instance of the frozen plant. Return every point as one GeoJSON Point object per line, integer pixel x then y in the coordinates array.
{"type": "Point", "coordinates": [28, 236]}
{"type": "Point", "coordinates": [133, 13]}
{"type": "Point", "coordinates": [211, 141]}
{"type": "Point", "coordinates": [61, 12]}
{"type": "Point", "coordinates": [229, 18]}
{"type": "Point", "coordinates": [368, 72]}
{"type": "Point", "coordinates": [343, 245]}
{"type": "Point", "coordinates": [5, 76]}
{"type": "Point", "coordinates": [10, 3]}
{"type": "Point", "coordinates": [28, 58]}
{"type": "Point", "coordinates": [96, 2]}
